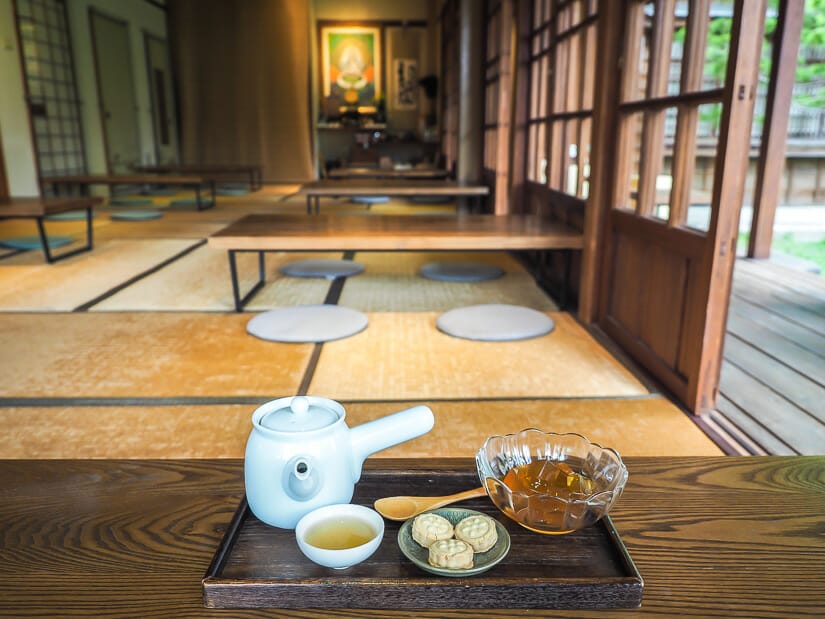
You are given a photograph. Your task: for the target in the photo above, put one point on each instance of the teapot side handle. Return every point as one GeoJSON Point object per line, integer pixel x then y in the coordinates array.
{"type": "Point", "coordinates": [377, 435]}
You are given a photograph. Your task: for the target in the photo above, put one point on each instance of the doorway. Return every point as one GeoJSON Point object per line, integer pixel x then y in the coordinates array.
{"type": "Point", "coordinates": [116, 91]}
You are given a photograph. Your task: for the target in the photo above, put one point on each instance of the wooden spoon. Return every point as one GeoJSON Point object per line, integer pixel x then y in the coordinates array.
{"type": "Point", "coordinates": [403, 507]}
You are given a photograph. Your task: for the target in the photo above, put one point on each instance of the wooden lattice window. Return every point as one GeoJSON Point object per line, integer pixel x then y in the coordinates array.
{"type": "Point", "coordinates": [669, 113]}
{"type": "Point", "coordinates": [561, 69]}
{"type": "Point", "coordinates": [51, 90]}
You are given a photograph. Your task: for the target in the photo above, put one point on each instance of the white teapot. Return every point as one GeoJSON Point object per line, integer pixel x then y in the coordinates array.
{"type": "Point", "coordinates": [301, 455]}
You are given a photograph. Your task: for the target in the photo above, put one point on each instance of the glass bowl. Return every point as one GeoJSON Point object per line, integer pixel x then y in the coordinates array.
{"type": "Point", "coordinates": [550, 483]}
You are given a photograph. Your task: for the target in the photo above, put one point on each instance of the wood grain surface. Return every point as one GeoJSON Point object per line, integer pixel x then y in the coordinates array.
{"type": "Point", "coordinates": [391, 187]}
{"type": "Point", "coordinates": [712, 537]}
{"type": "Point", "coordinates": [395, 232]}
{"type": "Point", "coordinates": [35, 207]}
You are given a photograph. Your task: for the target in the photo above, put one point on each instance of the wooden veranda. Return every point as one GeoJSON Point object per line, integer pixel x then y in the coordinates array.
{"type": "Point", "coordinates": [772, 389]}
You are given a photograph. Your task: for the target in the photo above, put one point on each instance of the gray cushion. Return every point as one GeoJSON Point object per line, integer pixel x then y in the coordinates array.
{"type": "Point", "coordinates": [307, 323]}
{"type": "Point", "coordinates": [136, 215]}
{"type": "Point", "coordinates": [33, 242]}
{"type": "Point", "coordinates": [494, 322]}
{"type": "Point", "coordinates": [322, 268]}
{"type": "Point", "coordinates": [191, 202]}
{"type": "Point", "coordinates": [370, 199]}
{"type": "Point", "coordinates": [69, 216]}
{"type": "Point", "coordinates": [233, 191]}
{"type": "Point", "coordinates": [456, 271]}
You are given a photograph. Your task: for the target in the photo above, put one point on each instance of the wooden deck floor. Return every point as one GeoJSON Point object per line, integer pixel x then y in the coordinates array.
{"type": "Point", "coordinates": [772, 389]}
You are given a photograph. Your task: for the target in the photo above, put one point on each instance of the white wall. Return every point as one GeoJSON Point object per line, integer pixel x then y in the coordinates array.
{"type": "Point", "coordinates": [18, 150]}
{"type": "Point", "coordinates": [141, 16]}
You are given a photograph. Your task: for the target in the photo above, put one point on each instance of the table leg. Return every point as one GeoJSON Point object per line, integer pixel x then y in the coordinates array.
{"type": "Point", "coordinates": [44, 239]}
{"type": "Point", "coordinates": [233, 271]}
{"type": "Point", "coordinates": [309, 204]}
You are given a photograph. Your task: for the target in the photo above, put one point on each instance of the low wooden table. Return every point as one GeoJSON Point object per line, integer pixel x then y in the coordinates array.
{"type": "Point", "coordinates": [215, 170]}
{"type": "Point", "coordinates": [374, 172]}
{"type": "Point", "coordinates": [463, 232]}
{"type": "Point", "coordinates": [85, 180]}
{"type": "Point", "coordinates": [712, 537]}
{"type": "Point", "coordinates": [40, 208]}
{"type": "Point", "coordinates": [388, 187]}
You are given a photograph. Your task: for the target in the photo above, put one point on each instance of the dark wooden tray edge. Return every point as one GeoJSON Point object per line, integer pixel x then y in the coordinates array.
{"type": "Point", "coordinates": [570, 594]}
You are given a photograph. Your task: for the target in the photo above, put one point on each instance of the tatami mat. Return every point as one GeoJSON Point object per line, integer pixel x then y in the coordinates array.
{"type": "Point", "coordinates": [404, 356]}
{"type": "Point", "coordinates": [633, 426]}
{"type": "Point", "coordinates": [143, 355]}
{"type": "Point", "coordinates": [200, 281]}
{"type": "Point", "coordinates": [391, 283]}
{"type": "Point", "coordinates": [28, 283]}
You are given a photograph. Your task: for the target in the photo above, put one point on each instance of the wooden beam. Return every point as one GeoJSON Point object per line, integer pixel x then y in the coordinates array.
{"type": "Point", "coordinates": [775, 128]}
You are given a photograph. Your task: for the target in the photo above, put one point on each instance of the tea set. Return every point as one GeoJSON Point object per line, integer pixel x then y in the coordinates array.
{"type": "Point", "coordinates": [302, 463]}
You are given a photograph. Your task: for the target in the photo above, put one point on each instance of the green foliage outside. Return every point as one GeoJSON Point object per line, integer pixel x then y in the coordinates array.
{"type": "Point", "coordinates": [807, 71]}
{"type": "Point", "coordinates": [788, 244]}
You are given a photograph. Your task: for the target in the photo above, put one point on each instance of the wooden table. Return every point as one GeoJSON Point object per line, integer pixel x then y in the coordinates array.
{"type": "Point", "coordinates": [462, 232]}
{"type": "Point", "coordinates": [215, 170]}
{"type": "Point", "coordinates": [712, 537]}
{"type": "Point", "coordinates": [40, 208]}
{"type": "Point", "coordinates": [388, 187]}
{"type": "Point", "coordinates": [85, 180]}
{"type": "Point", "coordinates": [374, 172]}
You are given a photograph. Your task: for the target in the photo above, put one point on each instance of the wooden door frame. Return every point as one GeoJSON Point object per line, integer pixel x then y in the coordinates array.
{"type": "Point", "coordinates": [705, 301]}
{"type": "Point", "coordinates": [147, 37]}
{"type": "Point", "coordinates": [4, 179]}
{"type": "Point", "coordinates": [94, 11]}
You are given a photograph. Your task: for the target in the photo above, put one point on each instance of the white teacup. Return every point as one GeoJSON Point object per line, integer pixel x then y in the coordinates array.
{"type": "Point", "coordinates": [340, 536]}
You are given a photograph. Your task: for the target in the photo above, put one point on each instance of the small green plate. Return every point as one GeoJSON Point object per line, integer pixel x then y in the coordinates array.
{"type": "Point", "coordinates": [482, 561]}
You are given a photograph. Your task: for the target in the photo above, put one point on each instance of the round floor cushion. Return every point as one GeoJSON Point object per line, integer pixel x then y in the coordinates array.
{"type": "Point", "coordinates": [494, 322]}
{"type": "Point", "coordinates": [69, 216]}
{"type": "Point", "coordinates": [371, 199]}
{"type": "Point", "coordinates": [233, 191]}
{"type": "Point", "coordinates": [33, 242]}
{"type": "Point", "coordinates": [136, 215]}
{"type": "Point", "coordinates": [307, 323]}
{"type": "Point", "coordinates": [329, 269]}
{"type": "Point", "coordinates": [456, 271]}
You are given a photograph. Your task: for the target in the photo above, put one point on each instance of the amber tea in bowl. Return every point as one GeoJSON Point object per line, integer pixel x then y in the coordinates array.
{"type": "Point", "coordinates": [550, 483]}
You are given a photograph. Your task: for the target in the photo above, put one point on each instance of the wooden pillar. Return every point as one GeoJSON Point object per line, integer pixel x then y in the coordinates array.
{"type": "Point", "coordinates": [771, 162]}
{"type": "Point", "coordinates": [471, 92]}
{"type": "Point", "coordinates": [605, 119]}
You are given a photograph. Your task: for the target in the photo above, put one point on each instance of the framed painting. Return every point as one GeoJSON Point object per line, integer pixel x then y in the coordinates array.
{"type": "Point", "coordinates": [351, 63]}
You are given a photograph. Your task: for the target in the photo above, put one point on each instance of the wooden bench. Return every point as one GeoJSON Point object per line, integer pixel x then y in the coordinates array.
{"type": "Point", "coordinates": [40, 208]}
{"type": "Point", "coordinates": [263, 233]}
{"type": "Point", "coordinates": [85, 180]}
{"type": "Point", "coordinates": [389, 187]}
{"type": "Point", "coordinates": [213, 170]}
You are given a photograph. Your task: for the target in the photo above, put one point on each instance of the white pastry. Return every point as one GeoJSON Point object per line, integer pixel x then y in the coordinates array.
{"type": "Point", "coordinates": [478, 531]}
{"type": "Point", "coordinates": [451, 553]}
{"type": "Point", "coordinates": [430, 528]}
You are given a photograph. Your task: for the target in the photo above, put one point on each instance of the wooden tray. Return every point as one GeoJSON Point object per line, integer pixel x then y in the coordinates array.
{"type": "Point", "coordinates": [258, 566]}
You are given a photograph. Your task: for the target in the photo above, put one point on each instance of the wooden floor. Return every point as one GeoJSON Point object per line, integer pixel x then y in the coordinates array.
{"type": "Point", "coordinates": [772, 391]}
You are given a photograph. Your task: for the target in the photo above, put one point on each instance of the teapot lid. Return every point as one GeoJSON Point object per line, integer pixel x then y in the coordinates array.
{"type": "Point", "coordinates": [300, 415]}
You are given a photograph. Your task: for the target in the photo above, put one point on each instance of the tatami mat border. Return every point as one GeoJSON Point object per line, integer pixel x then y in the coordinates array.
{"type": "Point", "coordinates": [216, 400]}
{"type": "Point", "coordinates": [138, 277]}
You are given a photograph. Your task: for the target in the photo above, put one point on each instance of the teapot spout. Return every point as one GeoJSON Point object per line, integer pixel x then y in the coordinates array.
{"type": "Point", "coordinates": [303, 480]}
{"type": "Point", "coordinates": [380, 434]}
